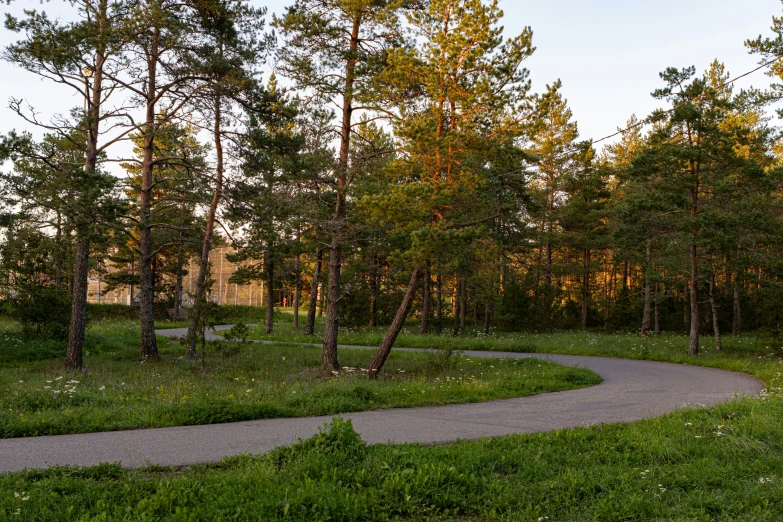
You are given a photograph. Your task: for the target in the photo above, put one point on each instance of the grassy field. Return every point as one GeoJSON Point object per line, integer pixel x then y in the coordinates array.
{"type": "Point", "coordinates": [756, 354]}
{"type": "Point", "coordinates": [234, 383]}
{"type": "Point", "coordinates": [716, 464]}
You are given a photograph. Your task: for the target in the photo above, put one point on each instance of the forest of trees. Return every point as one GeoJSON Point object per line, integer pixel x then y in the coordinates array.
{"type": "Point", "coordinates": [391, 151]}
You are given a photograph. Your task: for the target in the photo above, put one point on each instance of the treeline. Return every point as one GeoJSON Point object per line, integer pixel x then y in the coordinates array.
{"type": "Point", "coordinates": [396, 159]}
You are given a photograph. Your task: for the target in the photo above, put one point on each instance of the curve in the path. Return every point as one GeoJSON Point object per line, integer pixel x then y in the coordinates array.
{"type": "Point", "coordinates": [631, 390]}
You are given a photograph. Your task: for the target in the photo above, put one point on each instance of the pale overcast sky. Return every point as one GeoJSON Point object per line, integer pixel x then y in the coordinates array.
{"type": "Point", "coordinates": [608, 53]}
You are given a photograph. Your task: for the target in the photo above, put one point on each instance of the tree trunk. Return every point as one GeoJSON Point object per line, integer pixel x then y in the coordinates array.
{"type": "Point", "coordinates": [657, 317]}
{"type": "Point", "coordinates": [439, 303]}
{"type": "Point", "coordinates": [463, 298]}
{"type": "Point", "coordinates": [693, 347]}
{"type": "Point", "coordinates": [487, 314]}
{"type": "Point", "coordinates": [737, 317]}
{"type": "Point", "coordinates": [73, 355]}
{"type": "Point", "coordinates": [714, 309]}
{"type": "Point", "coordinates": [149, 343]}
{"type": "Point", "coordinates": [646, 277]}
{"type": "Point", "coordinates": [313, 302]}
{"type": "Point", "coordinates": [178, 290]}
{"type": "Point", "coordinates": [374, 291]}
{"type": "Point", "coordinates": [378, 360]}
{"type": "Point", "coordinates": [586, 288]}
{"type": "Point", "coordinates": [457, 294]}
{"type": "Point", "coordinates": [270, 281]}
{"type": "Point", "coordinates": [329, 361]}
{"type": "Point", "coordinates": [297, 289]}
{"type": "Point", "coordinates": [425, 300]}
{"type": "Point", "coordinates": [686, 318]}
{"type": "Point", "coordinates": [200, 296]}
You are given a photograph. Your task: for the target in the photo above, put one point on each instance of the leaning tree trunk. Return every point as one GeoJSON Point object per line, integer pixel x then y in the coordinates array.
{"type": "Point", "coordinates": [714, 309]}
{"type": "Point", "coordinates": [73, 355]}
{"type": "Point", "coordinates": [425, 301]}
{"type": "Point", "coordinates": [378, 360]}
{"type": "Point", "coordinates": [313, 301]}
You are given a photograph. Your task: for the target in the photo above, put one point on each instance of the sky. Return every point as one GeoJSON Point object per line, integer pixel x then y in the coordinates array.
{"type": "Point", "coordinates": [608, 53]}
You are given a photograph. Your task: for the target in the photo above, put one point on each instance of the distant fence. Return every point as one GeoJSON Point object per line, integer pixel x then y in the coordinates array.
{"type": "Point", "coordinates": [222, 292]}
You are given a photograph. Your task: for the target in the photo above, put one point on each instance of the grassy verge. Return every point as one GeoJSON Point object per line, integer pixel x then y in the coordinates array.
{"type": "Point", "coordinates": [756, 354]}
{"type": "Point", "coordinates": [723, 463]}
{"type": "Point", "coordinates": [237, 383]}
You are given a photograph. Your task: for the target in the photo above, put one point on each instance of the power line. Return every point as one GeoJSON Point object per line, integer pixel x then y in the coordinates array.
{"type": "Point", "coordinates": [650, 119]}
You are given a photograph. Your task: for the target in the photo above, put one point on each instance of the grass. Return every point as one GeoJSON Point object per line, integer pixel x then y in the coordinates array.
{"type": "Point", "coordinates": [723, 463]}
{"type": "Point", "coordinates": [235, 384]}
{"type": "Point", "coordinates": [717, 464]}
{"type": "Point", "coordinates": [756, 354]}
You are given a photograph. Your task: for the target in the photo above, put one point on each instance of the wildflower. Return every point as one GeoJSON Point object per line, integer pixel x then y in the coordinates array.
{"type": "Point", "coordinates": [102, 388]}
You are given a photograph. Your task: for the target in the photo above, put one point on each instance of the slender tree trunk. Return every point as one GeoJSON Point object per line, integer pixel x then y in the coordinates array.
{"type": "Point", "coordinates": [329, 361]}
{"type": "Point", "coordinates": [463, 298]}
{"type": "Point", "coordinates": [714, 309]}
{"type": "Point", "coordinates": [425, 300]}
{"type": "Point", "coordinates": [297, 289]}
{"type": "Point", "coordinates": [178, 290]}
{"type": "Point", "coordinates": [646, 277]}
{"type": "Point", "coordinates": [200, 295]}
{"type": "Point", "coordinates": [313, 301]}
{"type": "Point", "coordinates": [693, 348]}
{"type": "Point", "coordinates": [585, 287]}
{"type": "Point", "coordinates": [686, 318]}
{"type": "Point", "coordinates": [457, 294]}
{"type": "Point", "coordinates": [270, 281]}
{"type": "Point", "coordinates": [439, 303]}
{"type": "Point", "coordinates": [374, 291]}
{"type": "Point", "coordinates": [487, 314]}
{"type": "Point", "coordinates": [657, 315]}
{"type": "Point", "coordinates": [93, 99]}
{"type": "Point", "coordinates": [736, 315]}
{"type": "Point", "coordinates": [378, 360]}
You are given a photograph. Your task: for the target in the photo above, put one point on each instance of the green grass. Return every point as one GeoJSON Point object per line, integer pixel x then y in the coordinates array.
{"type": "Point", "coordinates": [717, 464]}
{"type": "Point", "coordinates": [245, 382]}
{"type": "Point", "coordinates": [755, 354]}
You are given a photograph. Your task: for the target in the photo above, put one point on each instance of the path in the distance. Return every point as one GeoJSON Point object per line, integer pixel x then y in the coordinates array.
{"type": "Point", "coordinates": [631, 390]}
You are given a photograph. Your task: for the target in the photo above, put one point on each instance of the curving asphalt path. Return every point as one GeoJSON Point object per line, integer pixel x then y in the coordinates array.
{"type": "Point", "coordinates": [631, 390]}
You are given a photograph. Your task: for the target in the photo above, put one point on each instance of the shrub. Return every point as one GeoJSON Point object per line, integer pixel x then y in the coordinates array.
{"type": "Point", "coordinates": [43, 311]}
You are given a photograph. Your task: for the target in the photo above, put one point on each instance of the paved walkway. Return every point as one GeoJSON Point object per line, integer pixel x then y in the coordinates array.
{"type": "Point", "coordinates": [631, 390]}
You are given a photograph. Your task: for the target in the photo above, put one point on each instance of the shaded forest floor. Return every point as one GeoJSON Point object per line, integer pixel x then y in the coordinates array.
{"type": "Point", "coordinates": [234, 382]}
